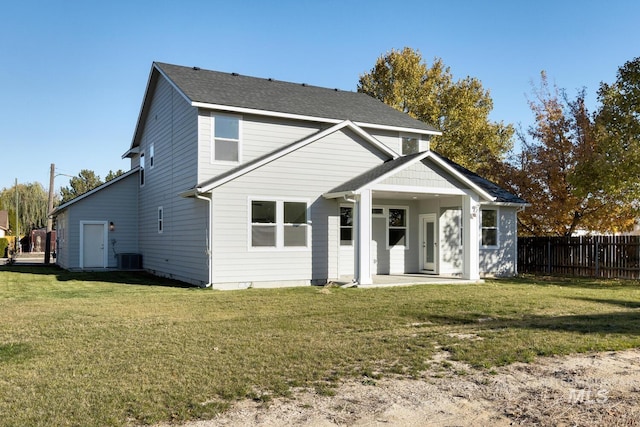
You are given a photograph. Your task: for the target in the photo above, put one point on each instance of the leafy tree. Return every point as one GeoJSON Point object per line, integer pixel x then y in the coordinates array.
{"type": "Point", "coordinates": [113, 175]}
{"type": "Point", "coordinates": [460, 109]}
{"type": "Point", "coordinates": [32, 206]}
{"type": "Point", "coordinates": [86, 180]}
{"type": "Point", "coordinates": [560, 170]}
{"type": "Point", "coordinates": [618, 121]}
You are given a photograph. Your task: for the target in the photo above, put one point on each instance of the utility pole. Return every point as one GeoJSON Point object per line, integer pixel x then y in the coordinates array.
{"type": "Point", "coordinates": [47, 243]}
{"type": "Point", "coordinates": [17, 242]}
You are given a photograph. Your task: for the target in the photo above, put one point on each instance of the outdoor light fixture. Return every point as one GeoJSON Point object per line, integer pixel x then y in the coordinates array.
{"type": "Point", "coordinates": [112, 226]}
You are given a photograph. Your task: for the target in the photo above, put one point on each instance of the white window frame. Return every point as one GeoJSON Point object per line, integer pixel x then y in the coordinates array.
{"type": "Point", "coordinates": [496, 228]}
{"type": "Point", "coordinates": [151, 157]}
{"type": "Point", "coordinates": [160, 220]}
{"type": "Point", "coordinates": [143, 175]}
{"type": "Point", "coordinates": [404, 136]}
{"type": "Point", "coordinates": [340, 226]}
{"type": "Point", "coordinates": [405, 227]}
{"type": "Point", "coordinates": [213, 138]}
{"type": "Point", "coordinates": [279, 224]}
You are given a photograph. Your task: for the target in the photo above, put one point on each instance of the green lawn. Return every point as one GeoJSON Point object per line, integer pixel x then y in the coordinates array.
{"type": "Point", "coordinates": [125, 349]}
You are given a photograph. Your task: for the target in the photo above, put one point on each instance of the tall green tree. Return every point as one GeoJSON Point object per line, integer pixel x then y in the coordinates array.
{"type": "Point", "coordinates": [86, 180]}
{"type": "Point", "coordinates": [460, 109]}
{"type": "Point", "coordinates": [32, 206]}
{"type": "Point", "coordinates": [618, 123]}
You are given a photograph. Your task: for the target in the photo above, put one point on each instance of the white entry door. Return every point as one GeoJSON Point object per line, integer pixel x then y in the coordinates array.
{"type": "Point", "coordinates": [429, 243]}
{"type": "Point", "coordinates": [93, 239]}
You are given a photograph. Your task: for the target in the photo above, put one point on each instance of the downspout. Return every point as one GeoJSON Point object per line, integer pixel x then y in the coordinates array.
{"type": "Point", "coordinates": [209, 200]}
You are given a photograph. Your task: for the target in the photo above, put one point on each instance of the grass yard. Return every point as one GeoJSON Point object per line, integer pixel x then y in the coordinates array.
{"type": "Point", "coordinates": [98, 349]}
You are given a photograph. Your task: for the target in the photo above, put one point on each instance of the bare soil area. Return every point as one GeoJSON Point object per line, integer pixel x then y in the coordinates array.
{"type": "Point", "coordinates": [600, 389]}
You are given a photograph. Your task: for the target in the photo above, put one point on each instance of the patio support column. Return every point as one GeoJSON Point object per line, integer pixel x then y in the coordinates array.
{"type": "Point", "coordinates": [471, 237]}
{"type": "Point", "coordinates": [362, 240]}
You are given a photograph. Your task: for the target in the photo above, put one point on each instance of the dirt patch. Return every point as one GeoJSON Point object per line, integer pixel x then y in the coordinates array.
{"type": "Point", "coordinates": [600, 389]}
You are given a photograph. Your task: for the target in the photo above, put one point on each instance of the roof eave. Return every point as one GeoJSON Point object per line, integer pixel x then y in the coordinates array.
{"type": "Point", "coordinates": [269, 113]}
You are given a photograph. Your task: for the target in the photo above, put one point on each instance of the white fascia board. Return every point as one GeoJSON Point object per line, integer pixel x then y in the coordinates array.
{"type": "Point", "coordinates": [398, 128]}
{"type": "Point", "coordinates": [461, 177]}
{"type": "Point", "coordinates": [134, 150]}
{"type": "Point", "coordinates": [392, 172]}
{"type": "Point", "coordinates": [506, 204]}
{"type": "Point", "coordinates": [339, 194]}
{"type": "Point", "coordinates": [245, 110]}
{"type": "Point", "coordinates": [415, 189]}
{"type": "Point", "coordinates": [294, 147]}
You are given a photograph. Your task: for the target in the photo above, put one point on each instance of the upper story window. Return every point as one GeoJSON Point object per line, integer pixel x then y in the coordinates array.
{"type": "Point", "coordinates": [410, 144]}
{"type": "Point", "coordinates": [151, 157]}
{"type": "Point", "coordinates": [226, 138]}
{"type": "Point", "coordinates": [489, 222]}
{"type": "Point", "coordinates": [142, 165]}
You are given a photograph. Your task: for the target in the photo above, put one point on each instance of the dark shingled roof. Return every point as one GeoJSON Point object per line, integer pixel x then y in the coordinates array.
{"type": "Point", "coordinates": [374, 173]}
{"type": "Point", "coordinates": [230, 89]}
{"type": "Point", "coordinates": [492, 188]}
{"type": "Point", "coordinates": [501, 195]}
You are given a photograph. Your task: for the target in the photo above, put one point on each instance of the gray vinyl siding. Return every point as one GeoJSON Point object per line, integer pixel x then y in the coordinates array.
{"type": "Point", "coordinates": [180, 250]}
{"type": "Point", "coordinates": [502, 261]}
{"type": "Point", "coordinates": [302, 175]}
{"type": "Point", "coordinates": [420, 176]}
{"type": "Point", "coordinates": [100, 207]}
{"type": "Point", "coordinates": [258, 136]}
{"type": "Point", "coordinates": [389, 138]}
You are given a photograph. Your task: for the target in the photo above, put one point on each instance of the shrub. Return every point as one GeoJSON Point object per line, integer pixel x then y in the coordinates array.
{"type": "Point", "coordinates": [4, 245]}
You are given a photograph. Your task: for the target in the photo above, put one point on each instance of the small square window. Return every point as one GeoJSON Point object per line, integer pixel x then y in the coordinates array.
{"type": "Point", "coordinates": [410, 145]}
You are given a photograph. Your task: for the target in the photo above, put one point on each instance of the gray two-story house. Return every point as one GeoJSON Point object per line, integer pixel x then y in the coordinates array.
{"type": "Point", "coordinates": [239, 181]}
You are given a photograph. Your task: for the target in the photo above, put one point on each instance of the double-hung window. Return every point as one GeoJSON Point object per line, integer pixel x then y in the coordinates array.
{"type": "Point", "coordinates": [397, 227]}
{"type": "Point", "coordinates": [142, 165]}
{"type": "Point", "coordinates": [160, 219]}
{"type": "Point", "coordinates": [226, 138]}
{"type": "Point", "coordinates": [279, 224]}
{"type": "Point", "coordinates": [346, 225]}
{"type": "Point", "coordinates": [489, 222]}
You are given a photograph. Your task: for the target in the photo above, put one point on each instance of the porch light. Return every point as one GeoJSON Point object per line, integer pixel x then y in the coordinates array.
{"type": "Point", "coordinates": [112, 226]}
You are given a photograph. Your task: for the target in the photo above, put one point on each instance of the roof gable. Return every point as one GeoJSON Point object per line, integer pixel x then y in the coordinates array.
{"type": "Point", "coordinates": [236, 172]}
{"type": "Point", "coordinates": [83, 196]}
{"type": "Point", "coordinates": [485, 188]}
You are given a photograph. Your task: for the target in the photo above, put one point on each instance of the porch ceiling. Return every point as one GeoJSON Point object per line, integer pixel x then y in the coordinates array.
{"type": "Point", "coordinates": [409, 195]}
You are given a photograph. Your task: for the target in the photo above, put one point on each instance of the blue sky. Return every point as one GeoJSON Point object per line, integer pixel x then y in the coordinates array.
{"type": "Point", "coordinates": [73, 73]}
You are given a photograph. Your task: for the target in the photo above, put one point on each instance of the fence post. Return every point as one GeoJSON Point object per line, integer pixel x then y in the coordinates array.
{"type": "Point", "coordinates": [597, 258]}
{"type": "Point", "coordinates": [549, 257]}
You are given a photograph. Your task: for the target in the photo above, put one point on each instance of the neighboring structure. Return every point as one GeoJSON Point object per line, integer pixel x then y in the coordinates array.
{"type": "Point", "coordinates": [4, 223]}
{"type": "Point", "coordinates": [239, 181]}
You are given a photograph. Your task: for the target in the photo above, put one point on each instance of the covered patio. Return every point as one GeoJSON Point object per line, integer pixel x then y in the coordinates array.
{"type": "Point", "coordinates": [409, 279]}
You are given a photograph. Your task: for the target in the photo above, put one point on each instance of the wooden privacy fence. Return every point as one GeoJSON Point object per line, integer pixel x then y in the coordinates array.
{"type": "Point", "coordinates": [588, 256]}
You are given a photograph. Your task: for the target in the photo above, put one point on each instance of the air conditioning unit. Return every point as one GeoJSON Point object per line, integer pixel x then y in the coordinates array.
{"type": "Point", "coordinates": [129, 261]}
